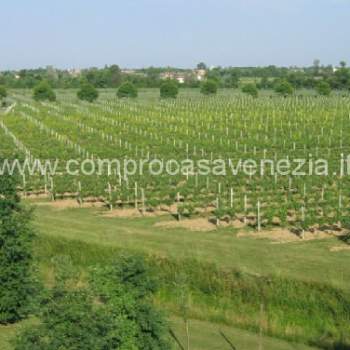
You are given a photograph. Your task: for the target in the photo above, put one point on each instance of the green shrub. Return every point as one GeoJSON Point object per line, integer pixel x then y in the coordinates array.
{"type": "Point", "coordinates": [209, 87]}
{"type": "Point", "coordinates": [87, 92]}
{"type": "Point", "coordinates": [169, 89]}
{"type": "Point", "coordinates": [127, 90]}
{"type": "Point", "coordinates": [113, 311]}
{"type": "Point", "coordinates": [3, 92]}
{"type": "Point", "coordinates": [323, 88]}
{"type": "Point", "coordinates": [250, 89]}
{"type": "Point", "coordinates": [44, 92]}
{"type": "Point", "coordinates": [17, 285]}
{"type": "Point", "coordinates": [283, 88]}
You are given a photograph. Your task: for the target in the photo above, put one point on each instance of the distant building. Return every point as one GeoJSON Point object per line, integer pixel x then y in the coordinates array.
{"type": "Point", "coordinates": [182, 77]}
{"type": "Point", "coordinates": [128, 71]}
{"type": "Point", "coordinates": [75, 72]}
{"type": "Point", "coordinates": [200, 74]}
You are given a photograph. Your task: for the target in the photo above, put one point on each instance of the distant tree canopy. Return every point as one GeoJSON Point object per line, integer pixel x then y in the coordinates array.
{"type": "Point", "coordinates": [284, 88]}
{"type": "Point", "coordinates": [323, 88]}
{"type": "Point", "coordinates": [3, 92]}
{"type": "Point", "coordinates": [228, 77]}
{"type": "Point", "coordinates": [169, 89]}
{"type": "Point", "coordinates": [231, 80]}
{"type": "Point", "coordinates": [114, 312]}
{"type": "Point", "coordinates": [127, 89]}
{"type": "Point", "coordinates": [209, 87]}
{"type": "Point", "coordinates": [87, 92]}
{"type": "Point", "coordinates": [201, 65]}
{"type": "Point", "coordinates": [265, 83]}
{"type": "Point", "coordinates": [44, 92]}
{"type": "Point", "coordinates": [250, 89]}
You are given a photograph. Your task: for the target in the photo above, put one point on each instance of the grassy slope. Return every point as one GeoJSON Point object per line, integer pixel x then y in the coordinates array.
{"type": "Point", "coordinates": [309, 261]}
{"type": "Point", "coordinates": [305, 260]}
{"type": "Point", "coordinates": [203, 336]}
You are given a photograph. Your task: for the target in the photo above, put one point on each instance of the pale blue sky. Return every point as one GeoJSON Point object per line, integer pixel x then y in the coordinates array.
{"type": "Point", "coordinates": [139, 33]}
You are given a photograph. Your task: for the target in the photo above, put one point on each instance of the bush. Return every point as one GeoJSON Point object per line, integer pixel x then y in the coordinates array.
{"type": "Point", "coordinates": [127, 90]}
{"type": "Point", "coordinates": [113, 312]}
{"type": "Point", "coordinates": [323, 88]}
{"type": "Point", "coordinates": [209, 87]}
{"type": "Point", "coordinates": [284, 88]}
{"type": "Point", "coordinates": [169, 89]}
{"type": "Point", "coordinates": [3, 92]}
{"type": "Point", "coordinates": [250, 89]}
{"type": "Point", "coordinates": [44, 92]}
{"type": "Point", "coordinates": [87, 92]}
{"type": "Point", "coordinates": [17, 284]}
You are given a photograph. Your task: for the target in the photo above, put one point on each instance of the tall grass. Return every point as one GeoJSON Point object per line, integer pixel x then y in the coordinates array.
{"type": "Point", "coordinates": [312, 313]}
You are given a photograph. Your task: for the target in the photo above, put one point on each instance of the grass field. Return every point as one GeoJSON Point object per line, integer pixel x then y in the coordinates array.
{"type": "Point", "coordinates": [89, 239]}
{"type": "Point", "coordinates": [295, 291]}
{"type": "Point", "coordinates": [309, 261]}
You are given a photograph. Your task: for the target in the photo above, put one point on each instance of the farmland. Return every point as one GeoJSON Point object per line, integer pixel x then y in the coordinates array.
{"type": "Point", "coordinates": [295, 289]}
{"type": "Point", "coordinates": [192, 128]}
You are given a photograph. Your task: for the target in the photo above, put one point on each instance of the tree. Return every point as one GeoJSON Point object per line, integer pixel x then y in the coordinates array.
{"type": "Point", "coordinates": [250, 89]}
{"type": "Point", "coordinates": [264, 83]}
{"type": "Point", "coordinates": [16, 236]}
{"type": "Point", "coordinates": [231, 80]}
{"type": "Point", "coordinates": [44, 92]}
{"type": "Point", "coordinates": [209, 87]}
{"type": "Point", "coordinates": [115, 75]}
{"type": "Point", "coordinates": [316, 66]}
{"type": "Point", "coordinates": [87, 92]}
{"type": "Point", "coordinates": [114, 312]}
{"type": "Point", "coordinates": [323, 88]}
{"type": "Point", "coordinates": [71, 321]}
{"type": "Point", "coordinates": [284, 88]}
{"type": "Point", "coordinates": [127, 90]}
{"type": "Point", "coordinates": [202, 65]}
{"type": "Point", "coordinates": [133, 276]}
{"type": "Point", "coordinates": [169, 89]}
{"type": "Point", "coordinates": [3, 92]}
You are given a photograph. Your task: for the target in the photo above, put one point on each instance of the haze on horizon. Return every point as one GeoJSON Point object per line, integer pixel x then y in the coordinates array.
{"type": "Point", "coordinates": [140, 33]}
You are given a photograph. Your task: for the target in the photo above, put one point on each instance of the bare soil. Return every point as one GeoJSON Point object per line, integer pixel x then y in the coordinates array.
{"type": "Point", "coordinates": [280, 235]}
{"type": "Point", "coordinates": [198, 224]}
{"type": "Point", "coordinates": [70, 204]}
{"type": "Point", "coordinates": [340, 248]}
{"type": "Point", "coordinates": [132, 213]}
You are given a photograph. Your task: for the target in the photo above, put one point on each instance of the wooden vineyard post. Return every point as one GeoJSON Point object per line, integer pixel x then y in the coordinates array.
{"type": "Point", "coordinates": [322, 193]}
{"type": "Point", "coordinates": [231, 197]}
{"type": "Point", "coordinates": [177, 207]}
{"type": "Point", "coordinates": [52, 189]}
{"type": "Point", "coordinates": [136, 193]}
{"type": "Point", "coordinates": [261, 327]}
{"type": "Point", "coordinates": [110, 196]}
{"type": "Point", "coordinates": [80, 201]}
{"type": "Point", "coordinates": [258, 217]}
{"type": "Point", "coordinates": [290, 184]}
{"type": "Point", "coordinates": [303, 219]}
{"type": "Point", "coordinates": [45, 183]}
{"type": "Point", "coordinates": [217, 207]}
{"type": "Point", "coordinates": [143, 201]}
{"type": "Point", "coordinates": [24, 185]}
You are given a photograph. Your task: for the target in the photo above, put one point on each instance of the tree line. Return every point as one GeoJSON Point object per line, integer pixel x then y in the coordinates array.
{"type": "Point", "coordinates": [225, 77]}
